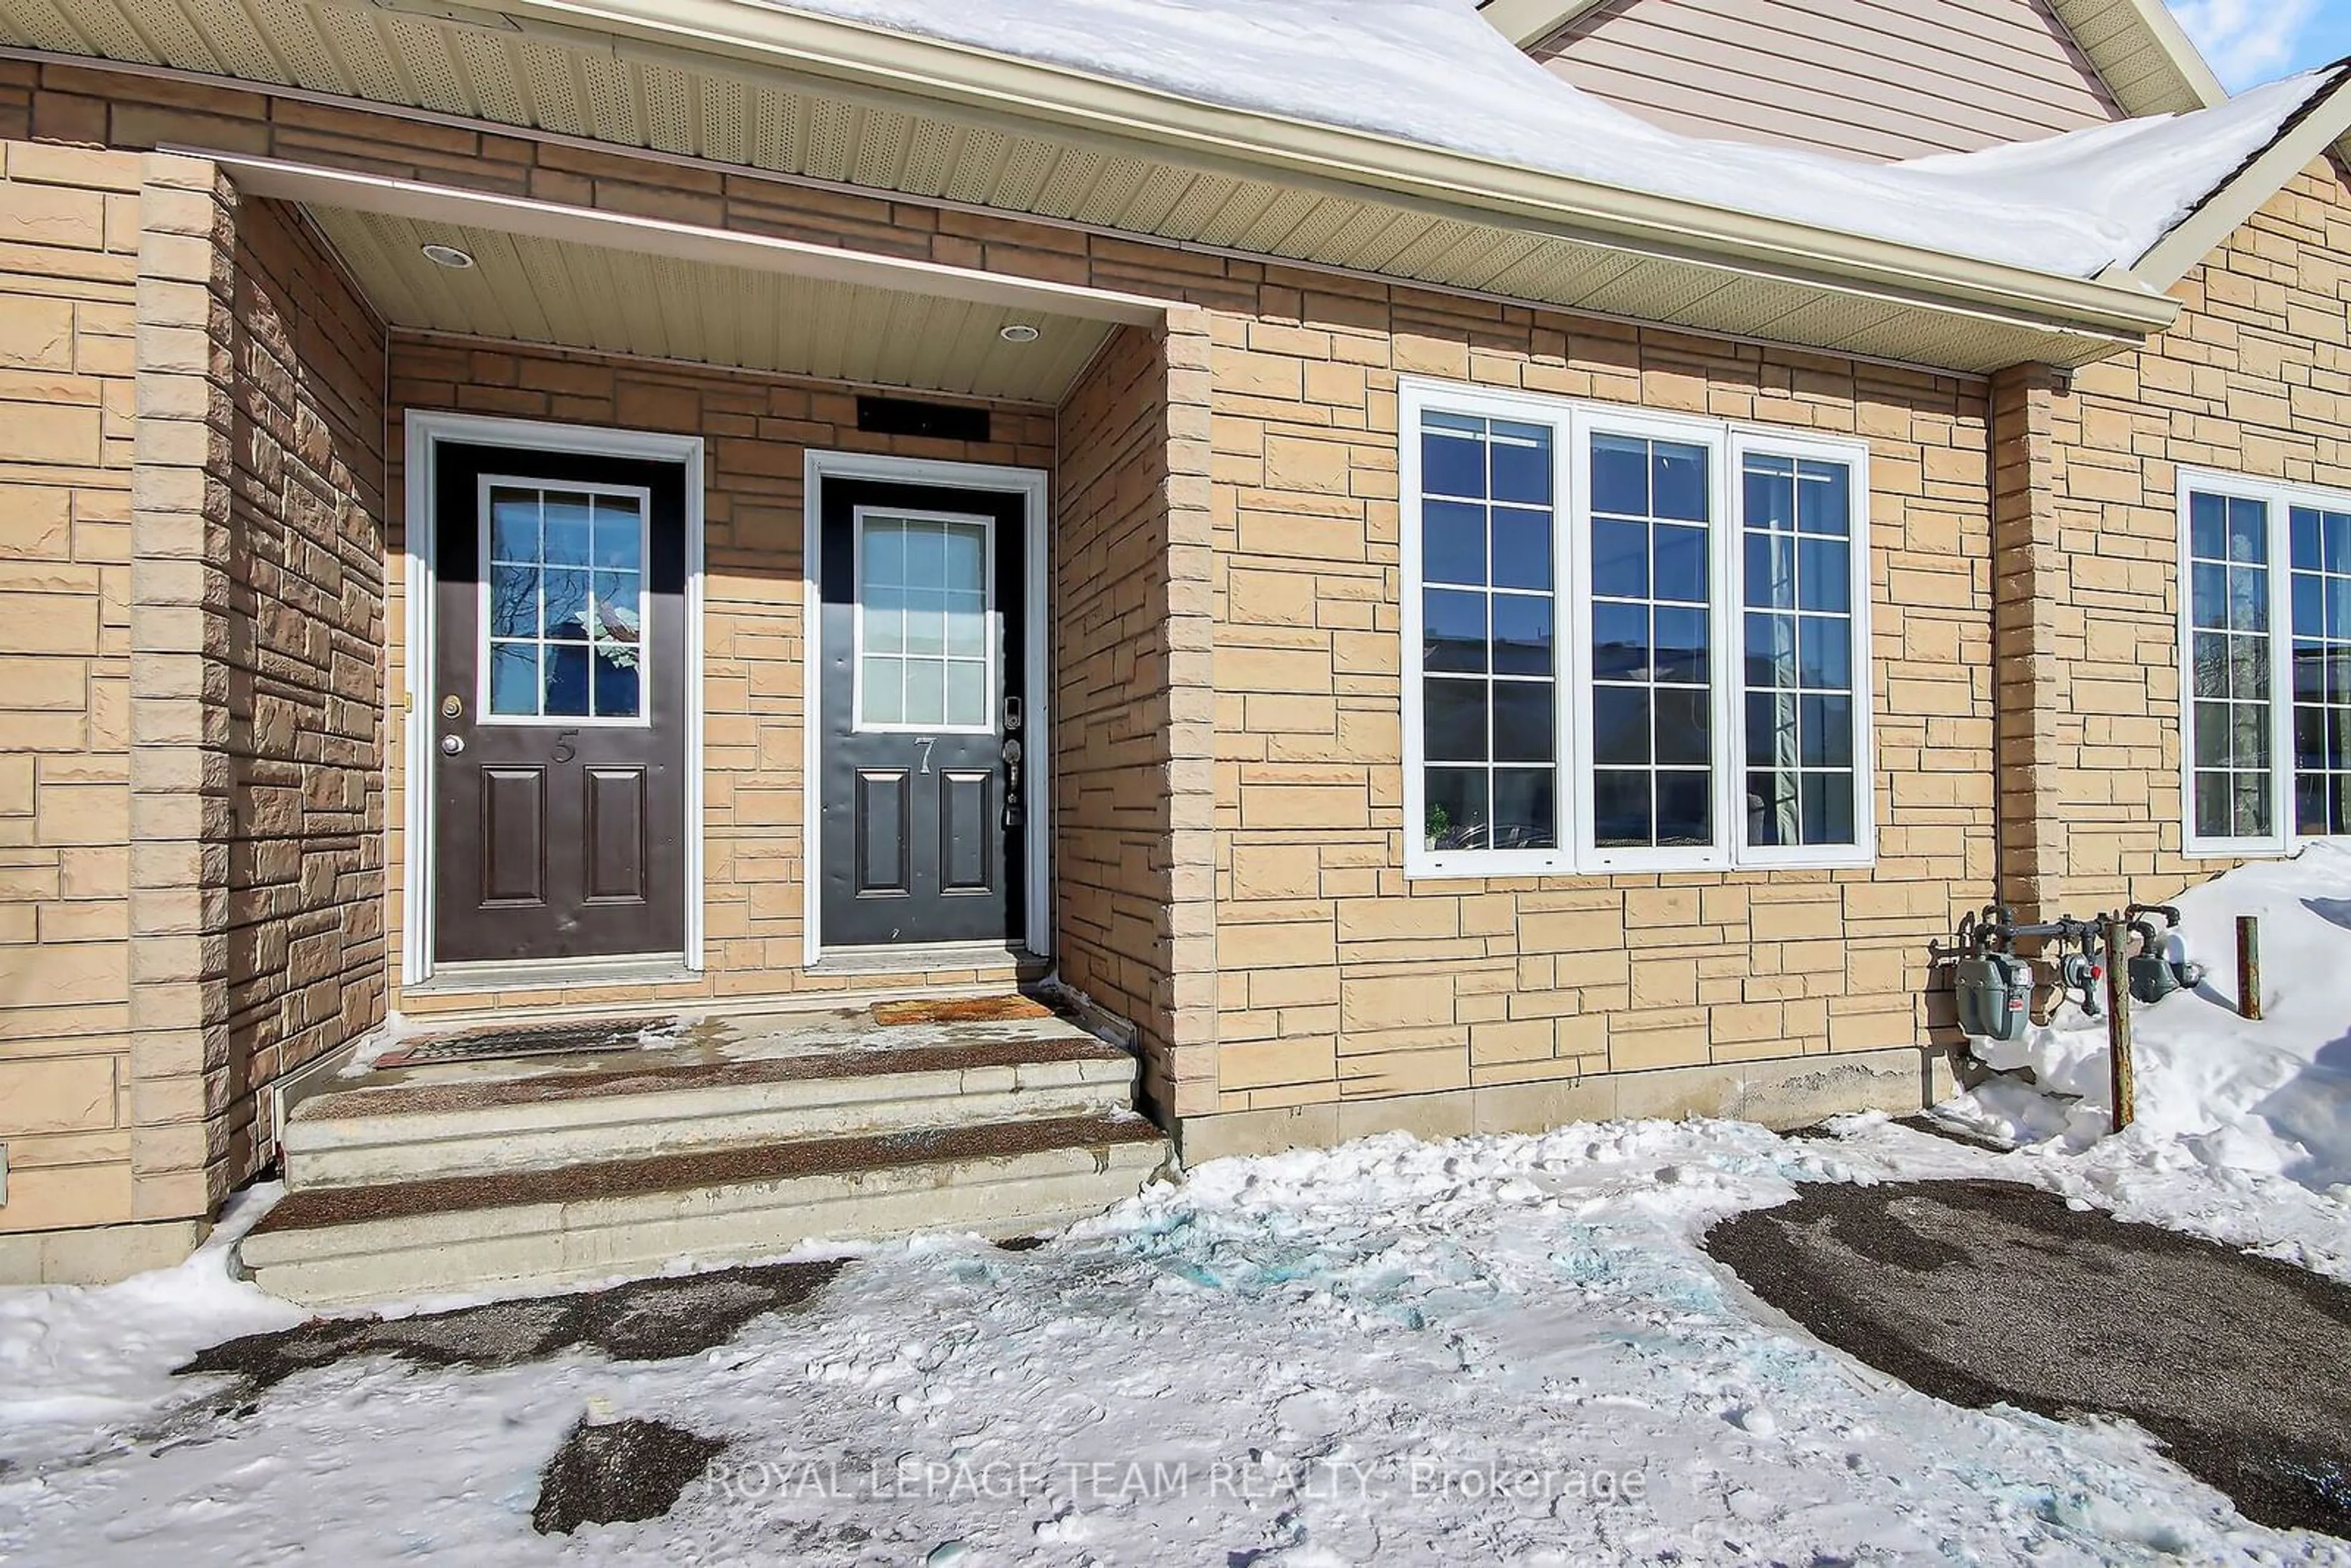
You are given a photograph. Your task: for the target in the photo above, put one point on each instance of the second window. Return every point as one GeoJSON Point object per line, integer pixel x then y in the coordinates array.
{"type": "Point", "coordinates": [1636, 642]}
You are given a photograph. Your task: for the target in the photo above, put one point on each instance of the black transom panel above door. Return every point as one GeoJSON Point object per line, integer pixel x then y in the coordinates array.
{"type": "Point", "coordinates": [559, 706]}
{"type": "Point", "coordinates": [923, 731]}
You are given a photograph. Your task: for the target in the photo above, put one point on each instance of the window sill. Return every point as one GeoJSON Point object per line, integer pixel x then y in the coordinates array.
{"type": "Point", "coordinates": [1495, 865]}
{"type": "Point", "coordinates": [2265, 850]}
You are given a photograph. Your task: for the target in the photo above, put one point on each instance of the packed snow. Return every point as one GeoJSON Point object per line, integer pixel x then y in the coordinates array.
{"type": "Point", "coordinates": [1496, 1350]}
{"type": "Point", "coordinates": [1435, 73]}
{"type": "Point", "coordinates": [1501, 1349]}
{"type": "Point", "coordinates": [2238, 1118]}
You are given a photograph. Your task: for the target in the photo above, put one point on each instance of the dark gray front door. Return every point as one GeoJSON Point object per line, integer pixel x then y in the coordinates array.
{"type": "Point", "coordinates": [559, 714]}
{"type": "Point", "coordinates": [923, 733]}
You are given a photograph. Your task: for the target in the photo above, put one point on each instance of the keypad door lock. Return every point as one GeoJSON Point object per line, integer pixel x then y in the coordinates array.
{"type": "Point", "coordinates": [1012, 813]}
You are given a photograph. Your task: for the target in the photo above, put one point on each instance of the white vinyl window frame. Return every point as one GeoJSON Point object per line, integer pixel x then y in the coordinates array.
{"type": "Point", "coordinates": [1573, 424]}
{"type": "Point", "coordinates": [2279, 500]}
{"type": "Point", "coordinates": [486, 487]}
{"type": "Point", "coordinates": [1853, 456]}
{"type": "Point", "coordinates": [993, 678]}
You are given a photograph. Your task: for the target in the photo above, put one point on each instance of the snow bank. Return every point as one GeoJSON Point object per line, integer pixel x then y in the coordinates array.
{"type": "Point", "coordinates": [2268, 1099]}
{"type": "Point", "coordinates": [1432, 72]}
{"type": "Point", "coordinates": [74, 1357]}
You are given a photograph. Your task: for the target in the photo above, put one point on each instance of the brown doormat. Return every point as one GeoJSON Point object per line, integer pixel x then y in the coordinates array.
{"type": "Point", "coordinates": [544, 1040]}
{"type": "Point", "coordinates": [965, 1010]}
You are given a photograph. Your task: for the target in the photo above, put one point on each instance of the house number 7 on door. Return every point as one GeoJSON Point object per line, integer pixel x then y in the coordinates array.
{"type": "Point", "coordinates": [926, 742]}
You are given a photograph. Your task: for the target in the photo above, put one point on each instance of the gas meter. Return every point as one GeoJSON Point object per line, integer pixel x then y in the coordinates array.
{"type": "Point", "coordinates": [1995, 994]}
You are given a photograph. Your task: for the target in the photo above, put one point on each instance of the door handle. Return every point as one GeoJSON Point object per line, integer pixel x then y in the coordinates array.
{"type": "Point", "coordinates": [451, 745]}
{"type": "Point", "coordinates": [1012, 811]}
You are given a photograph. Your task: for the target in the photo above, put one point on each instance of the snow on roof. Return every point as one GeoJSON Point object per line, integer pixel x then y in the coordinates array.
{"type": "Point", "coordinates": [1432, 72]}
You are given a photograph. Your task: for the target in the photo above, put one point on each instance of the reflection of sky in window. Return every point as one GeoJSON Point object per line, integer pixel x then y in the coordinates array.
{"type": "Point", "coordinates": [566, 604]}
{"type": "Point", "coordinates": [1797, 562]}
{"type": "Point", "coordinates": [1488, 632]}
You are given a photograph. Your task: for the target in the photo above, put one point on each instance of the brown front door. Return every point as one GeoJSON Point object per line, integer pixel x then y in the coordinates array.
{"type": "Point", "coordinates": [559, 708]}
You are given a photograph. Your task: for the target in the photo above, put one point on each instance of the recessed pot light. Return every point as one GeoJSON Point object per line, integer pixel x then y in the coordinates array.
{"type": "Point", "coordinates": [1019, 332]}
{"type": "Point", "coordinates": [447, 255]}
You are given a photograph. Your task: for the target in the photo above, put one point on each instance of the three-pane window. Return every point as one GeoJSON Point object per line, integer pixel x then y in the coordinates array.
{"type": "Point", "coordinates": [1639, 639]}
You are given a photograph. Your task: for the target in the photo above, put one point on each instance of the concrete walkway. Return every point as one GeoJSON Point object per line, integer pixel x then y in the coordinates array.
{"type": "Point", "coordinates": [1988, 1293]}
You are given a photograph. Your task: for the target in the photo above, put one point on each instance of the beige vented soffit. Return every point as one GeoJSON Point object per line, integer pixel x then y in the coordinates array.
{"type": "Point", "coordinates": [529, 218]}
{"type": "Point", "coordinates": [878, 64]}
{"type": "Point", "coordinates": [2136, 46]}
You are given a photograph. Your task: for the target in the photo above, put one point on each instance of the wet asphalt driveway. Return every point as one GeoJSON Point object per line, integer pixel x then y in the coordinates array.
{"type": "Point", "coordinates": [1986, 1293]}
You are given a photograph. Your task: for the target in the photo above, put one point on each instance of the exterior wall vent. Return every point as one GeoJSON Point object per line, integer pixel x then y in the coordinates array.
{"type": "Point", "coordinates": [911, 416]}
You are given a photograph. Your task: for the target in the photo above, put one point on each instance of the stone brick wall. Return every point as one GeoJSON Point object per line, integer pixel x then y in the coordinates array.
{"type": "Point", "coordinates": [69, 239]}
{"type": "Point", "coordinates": [306, 725]}
{"type": "Point", "coordinates": [758, 429]}
{"type": "Point", "coordinates": [1341, 981]}
{"type": "Point", "coordinates": [1302, 984]}
{"type": "Point", "coordinates": [2255, 379]}
{"type": "Point", "coordinates": [1133, 801]}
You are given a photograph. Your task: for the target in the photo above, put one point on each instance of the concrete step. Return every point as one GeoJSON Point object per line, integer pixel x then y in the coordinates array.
{"type": "Point", "coordinates": [525, 1229]}
{"type": "Point", "coordinates": [466, 1126]}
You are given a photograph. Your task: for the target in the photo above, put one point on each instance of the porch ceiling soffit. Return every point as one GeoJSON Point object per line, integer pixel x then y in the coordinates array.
{"type": "Point", "coordinates": [618, 284]}
{"type": "Point", "coordinates": [809, 98]}
{"type": "Point", "coordinates": [2136, 46]}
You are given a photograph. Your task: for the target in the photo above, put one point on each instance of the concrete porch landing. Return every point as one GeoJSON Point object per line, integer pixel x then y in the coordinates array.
{"type": "Point", "coordinates": [725, 1137]}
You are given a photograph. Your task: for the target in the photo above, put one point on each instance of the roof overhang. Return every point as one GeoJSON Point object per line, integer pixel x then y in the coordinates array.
{"type": "Point", "coordinates": [2324, 123]}
{"type": "Point", "coordinates": [818, 98]}
{"type": "Point", "coordinates": [580, 278]}
{"type": "Point", "coordinates": [2136, 46]}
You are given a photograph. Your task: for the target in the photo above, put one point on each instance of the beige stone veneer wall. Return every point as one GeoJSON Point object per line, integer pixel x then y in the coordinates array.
{"type": "Point", "coordinates": [2255, 379]}
{"type": "Point", "coordinates": [1344, 983]}
{"type": "Point", "coordinates": [1332, 982]}
{"type": "Point", "coordinates": [191, 895]}
{"type": "Point", "coordinates": [70, 238]}
{"type": "Point", "coordinates": [1291, 966]}
{"type": "Point", "coordinates": [306, 729]}
{"type": "Point", "coordinates": [1133, 720]}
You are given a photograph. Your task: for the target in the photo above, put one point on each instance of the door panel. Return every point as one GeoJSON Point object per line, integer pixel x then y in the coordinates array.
{"type": "Point", "coordinates": [616, 835]}
{"type": "Point", "coordinates": [560, 710]}
{"type": "Point", "coordinates": [514, 836]}
{"type": "Point", "coordinates": [882, 832]}
{"type": "Point", "coordinates": [922, 642]}
{"type": "Point", "coordinates": [964, 839]}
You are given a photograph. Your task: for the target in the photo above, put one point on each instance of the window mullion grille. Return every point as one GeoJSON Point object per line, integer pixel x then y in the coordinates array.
{"type": "Point", "coordinates": [2283, 762]}
{"type": "Point", "coordinates": [1726, 541]}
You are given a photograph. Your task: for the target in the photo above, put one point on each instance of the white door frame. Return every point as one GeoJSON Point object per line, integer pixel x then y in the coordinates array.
{"type": "Point", "coordinates": [1037, 758]}
{"type": "Point", "coordinates": [424, 434]}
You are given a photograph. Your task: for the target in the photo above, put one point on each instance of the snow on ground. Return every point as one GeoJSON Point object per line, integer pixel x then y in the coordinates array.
{"type": "Point", "coordinates": [2242, 1130]}
{"type": "Point", "coordinates": [1495, 1349]}
{"type": "Point", "coordinates": [1434, 72]}
{"type": "Point", "coordinates": [1488, 1350]}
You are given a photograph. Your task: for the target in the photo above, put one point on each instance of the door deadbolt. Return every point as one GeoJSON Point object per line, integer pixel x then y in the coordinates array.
{"type": "Point", "coordinates": [453, 707]}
